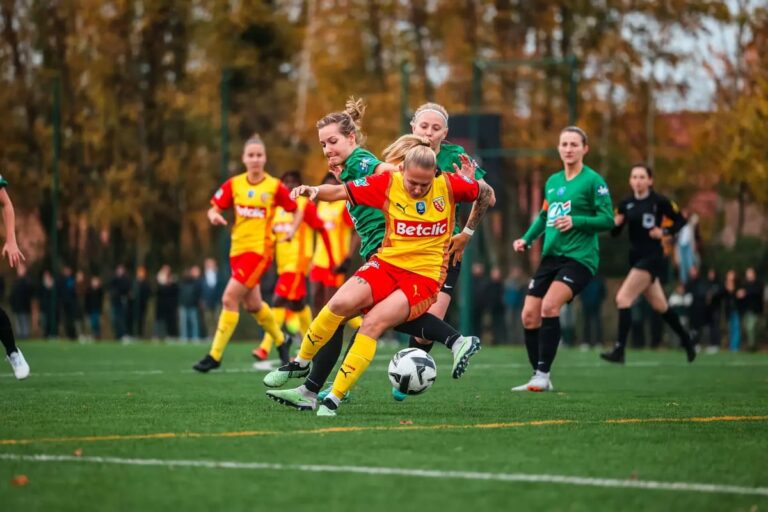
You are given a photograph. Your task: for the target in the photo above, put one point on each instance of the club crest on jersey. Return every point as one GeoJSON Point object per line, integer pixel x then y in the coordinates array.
{"type": "Point", "coordinates": [360, 182]}
{"type": "Point", "coordinates": [265, 197]}
{"type": "Point", "coordinates": [439, 203]}
{"type": "Point", "coordinates": [557, 210]}
{"type": "Point", "coordinates": [561, 191]}
{"type": "Point", "coordinates": [421, 207]}
{"type": "Point", "coordinates": [602, 190]}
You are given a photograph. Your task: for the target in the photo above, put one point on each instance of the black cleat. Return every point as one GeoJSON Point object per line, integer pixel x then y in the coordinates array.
{"type": "Point", "coordinates": [614, 356]}
{"type": "Point", "coordinates": [207, 364]}
{"type": "Point", "coordinates": [690, 352]}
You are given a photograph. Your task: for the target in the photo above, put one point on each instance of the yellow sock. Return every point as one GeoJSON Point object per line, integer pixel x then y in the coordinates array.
{"type": "Point", "coordinates": [355, 322]}
{"type": "Point", "coordinates": [354, 365]}
{"type": "Point", "coordinates": [305, 319]}
{"type": "Point", "coordinates": [319, 333]}
{"type": "Point", "coordinates": [267, 320]}
{"type": "Point", "coordinates": [267, 342]}
{"type": "Point", "coordinates": [227, 323]}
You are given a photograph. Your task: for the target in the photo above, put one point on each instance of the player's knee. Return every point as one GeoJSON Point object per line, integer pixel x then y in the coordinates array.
{"type": "Point", "coordinates": [342, 306]}
{"type": "Point", "coordinates": [531, 318]}
{"type": "Point", "coordinates": [550, 308]}
{"type": "Point", "coordinates": [623, 301]}
{"type": "Point", "coordinates": [373, 327]}
{"type": "Point", "coordinates": [229, 302]}
{"type": "Point", "coordinates": [252, 304]}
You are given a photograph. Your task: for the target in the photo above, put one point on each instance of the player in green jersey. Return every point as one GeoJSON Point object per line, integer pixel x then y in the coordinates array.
{"type": "Point", "coordinates": [576, 207]}
{"type": "Point", "coordinates": [15, 257]}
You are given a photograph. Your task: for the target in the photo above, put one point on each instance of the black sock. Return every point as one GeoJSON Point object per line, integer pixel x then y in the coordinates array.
{"type": "Point", "coordinates": [673, 321]}
{"type": "Point", "coordinates": [6, 333]}
{"type": "Point", "coordinates": [532, 346]}
{"type": "Point", "coordinates": [429, 327]}
{"type": "Point", "coordinates": [351, 342]}
{"type": "Point", "coordinates": [625, 324]}
{"type": "Point", "coordinates": [549, 339]}
{"type": "Point", "coordinates": [412, 343]}
{"type": "Point", "coordinates": [324, 361]}
{"type": "Point", "coordinates": [283, 352]}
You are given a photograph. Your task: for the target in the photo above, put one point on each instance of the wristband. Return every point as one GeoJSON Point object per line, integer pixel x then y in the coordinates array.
{"type": "Point", "coordinates": [468, 231]}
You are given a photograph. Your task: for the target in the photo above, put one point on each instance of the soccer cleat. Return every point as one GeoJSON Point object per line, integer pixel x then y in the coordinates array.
{"type": "Point", "coordinates": [207, 364]}
{"type": "Point", "coordinates": [19, 364]}
{"type": "Point", "coordinates": [690, 352]}
{"type": "Point", "coordinates": [327, 391]}
{"type": "Point", "coordinates": [293, 398]}
{"type": "Point", "coordinates": [524, 387]}
{"type": "Point", "coordinates": [327, 408]}
{"type": "Point", "coordinates": [540, 382]}
{"type": "Point", "coordinates": [292, 370]}
{"type": "Point", "coordinates": [614, 356]}
{"type": "Point", "coordinates": [260, 354]}
{"type": "Point", "coordinates": [398, 395]}
{"type": "Point", "coordinates": [465, 347]}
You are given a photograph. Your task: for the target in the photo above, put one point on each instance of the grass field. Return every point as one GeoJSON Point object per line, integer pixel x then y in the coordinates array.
{"type": "Point", "coordinates": [109, 427]}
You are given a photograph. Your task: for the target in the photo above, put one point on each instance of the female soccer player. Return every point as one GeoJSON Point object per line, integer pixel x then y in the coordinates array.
{"type": "Point", "coordinates": [403, 279]}
{"type": "Point", "coordinates": [577, 206]}
{"type": "Point", "coordinates": [15, 257]}
{"type": "Point", "coordinates": [254, 196]}
{"type": "Point", "coordinates": [294, 232]}
{"type": "Point", "coordinates": [644, 210]}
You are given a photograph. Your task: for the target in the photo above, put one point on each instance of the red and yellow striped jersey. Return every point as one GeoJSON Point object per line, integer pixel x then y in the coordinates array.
{"type": "Point", "coordinates": [417, 230]}
{"type": "Point", "coordinates": [294, 255]}
{"type": "Point", "coordinates": [254, 208]}
{"type": "Point", "coordinates": [339, 226]}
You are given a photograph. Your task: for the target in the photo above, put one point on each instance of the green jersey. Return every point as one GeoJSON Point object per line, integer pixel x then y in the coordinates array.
{"type": "Point", "coordinates": [3, 182]}
{"type": "Point", "coordinates": [586, 199]}
{"type": "Point", "coordinates": [450, 154]}
{"type": "Point", "coordinates": [369, 222]}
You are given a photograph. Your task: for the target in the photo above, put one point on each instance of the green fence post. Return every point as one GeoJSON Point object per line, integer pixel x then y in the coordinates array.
{"type": "Point", "coordinates": [56, 119]}
{"type": "Point", "coordinates": [224, 96]}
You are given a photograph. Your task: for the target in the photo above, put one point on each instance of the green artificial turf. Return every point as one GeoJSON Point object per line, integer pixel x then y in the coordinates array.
{"type": "Point", "coordinates": [79, 394]}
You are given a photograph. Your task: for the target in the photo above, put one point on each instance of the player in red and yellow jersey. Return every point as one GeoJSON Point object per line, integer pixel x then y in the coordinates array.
{"type": "Point", "coordinates": [402, 280]}
{"type": "Point", "coordinates": [253, 196]}
{"type": "Point", "coordinates": [294, 232]}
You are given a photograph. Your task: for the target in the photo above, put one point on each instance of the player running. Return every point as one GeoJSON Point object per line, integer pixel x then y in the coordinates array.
{"type": "Point", "coordinates": [577, 206]}
{"type": "Point", "coordinates": [294, 233]}
{"type": "Point", "coordinates": [644, 211]}
{"type": "Point", "coordinates": [15, 257]}
{"type": "Point", "coordinates": [402, 280]}
{"type": "Point", "coordinates": [254, 196]}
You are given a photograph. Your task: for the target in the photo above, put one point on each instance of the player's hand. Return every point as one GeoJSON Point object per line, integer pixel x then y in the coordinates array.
{"type": "Point", "coordinates": [519, 245]}
{"type": "Point", "coordinates": [289, 234]}
{"type": "Point", "coordinates": [563, 223]}
{"type": "Point", "coordinates": [12, 252]}
{"type": "Point", "coordinates": [216, 218]}
{"type": "Point", "coordinates": [618, 219]}
{"type": "Point", "coordinates": [336, 171]}
{"type": "Point", "coordinates": [656, 233]}
{"type": "Point", "coordinates": [467, 168]}
{"type": "Point", "coordinates": [456, 247]}
{"type": "Point", "coordinates": [343, 267]}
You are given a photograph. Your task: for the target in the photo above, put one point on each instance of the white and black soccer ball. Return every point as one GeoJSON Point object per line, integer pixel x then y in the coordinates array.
{"type": "Point", "coordinates": [412, 371]}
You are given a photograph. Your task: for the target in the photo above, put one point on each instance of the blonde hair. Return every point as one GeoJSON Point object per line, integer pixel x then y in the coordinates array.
{"type": "Point", "coordinates": [349, 121]}
{"type": "Point", "coordinates": [254, 139]}
{"type": "Point", "coordinates": [431, 107]}
{"type": "Point", "coordinates": [411, 150]}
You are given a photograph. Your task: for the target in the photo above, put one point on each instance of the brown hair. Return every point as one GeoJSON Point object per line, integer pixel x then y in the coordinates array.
{"type": "Point", "coordinates": [435, 107]}
{"type": "Point", "coordinates": [411, 150]}
{"type": "Point", "coordinates": [576, 129]}
{"type": "Point", "coordinates": [349, 120]}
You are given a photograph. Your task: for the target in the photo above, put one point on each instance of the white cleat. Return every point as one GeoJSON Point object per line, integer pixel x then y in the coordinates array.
{"type": "Point", "coordinates": [19, 364]}
{"type": "Point", "coordinates": [523, 387]}
{"type": "Point", "coordinates": [540, 382]}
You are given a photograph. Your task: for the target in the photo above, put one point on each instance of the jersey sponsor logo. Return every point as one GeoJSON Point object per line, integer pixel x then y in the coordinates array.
{"type": "Point", "coordinates": [421, 207]}
{"type": "Point", "coordinates": [420, 229]}
{"type": "Point", "coordinates": [401, 207]}
{"type": "Point", "coordinates": [602, 190]}
{"type": "Point", "coordinates": [360, 182]}
{"type": "Point", "coordinates": [649, 220]}
{"type": "Point", "coordinates": [439, 203]}
{"type": "Point", "coordinates": [557, 210]}
{"type": "Point", "coordinates": [251, 212]}
{"type": "Point", "coordinates": [281, 227]}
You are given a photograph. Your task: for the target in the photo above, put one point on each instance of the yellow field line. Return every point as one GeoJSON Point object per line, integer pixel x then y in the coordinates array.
{"type": "Point", "coordinates": [337, 430]}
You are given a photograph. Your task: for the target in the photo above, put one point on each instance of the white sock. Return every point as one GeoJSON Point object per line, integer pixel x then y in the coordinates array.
{"type": "Point", "coordinates": [336, 400]}
{"type": "Point", "coordinates": [302, 362]}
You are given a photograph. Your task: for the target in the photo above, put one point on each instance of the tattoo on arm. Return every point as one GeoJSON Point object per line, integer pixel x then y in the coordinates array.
{"type": "Point", "coordinates": [360, 280]}
{"type": "Point", "coordinates": [479, 206]}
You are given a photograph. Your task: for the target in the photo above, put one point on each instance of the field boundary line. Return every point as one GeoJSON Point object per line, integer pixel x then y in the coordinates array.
{"type": "Point", "coordinates": [372, 428]}
{"type": "Point", "coordinates": [389, 471]}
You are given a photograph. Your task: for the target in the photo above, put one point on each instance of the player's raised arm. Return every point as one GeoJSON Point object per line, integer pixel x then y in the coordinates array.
{"type": "Point", "coordinates": [320, 192]}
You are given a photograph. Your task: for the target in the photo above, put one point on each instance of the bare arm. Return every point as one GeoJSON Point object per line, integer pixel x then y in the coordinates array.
{"type": "Point", "coordinates": [215, 217]}
{"type": "Point", "coordinates": [320, 192]}
{"type": "Point", "coordinates": [11, 248]}
{"type": "Point", "coordinates": [479, 207]}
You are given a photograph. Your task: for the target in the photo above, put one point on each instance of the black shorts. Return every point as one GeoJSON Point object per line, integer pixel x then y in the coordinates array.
{"type": "Point", "coordinates": [559, 268]}
{"type": "Point", "coordinates": [451, 278]}
{"type": "Point", "coordinates": [657, 267]}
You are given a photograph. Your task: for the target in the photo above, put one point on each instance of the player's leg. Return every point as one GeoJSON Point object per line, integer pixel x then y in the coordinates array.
{"type": "Point", "coordinates": [234, 293]}
{"type": "Point", "coordinates": [558, 294]}
{"type": "Point", "coordinates": [658, 301]}
{"type": "Point", "coordinates": [12, 352]}
{"type": "Point", "coordinates": [636, 282]}
{"type": "Point", "coordinates": [440, 307]}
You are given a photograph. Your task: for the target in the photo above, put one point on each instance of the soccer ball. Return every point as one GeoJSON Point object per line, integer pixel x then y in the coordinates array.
{"type": "Point", "coordinates": [412, 371]}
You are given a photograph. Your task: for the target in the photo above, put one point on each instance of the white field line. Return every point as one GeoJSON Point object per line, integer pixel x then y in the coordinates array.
{"type": "Point", "coordinates": [422, 473]}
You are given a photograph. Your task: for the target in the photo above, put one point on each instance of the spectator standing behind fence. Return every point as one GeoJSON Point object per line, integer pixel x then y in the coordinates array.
{"type": "Point", "coordinates": [22, 293]}
{"type": "Point", "coordinates": [733, 306]}
{"type": "Point", "coordinates": [697, 286]}
{"type": "Point", "coordinates": [515, 287]}
{"type": "Point", "coordinates": [686, 247]}
{"type": "Point", "coordinates": [94, 306]}
{"type": "Point", "coordinates": [141, 291]}
{"type": "Point", "coordinates": [212, 289]}
{"type": "Point", "coordinates": [68, 299]}
{"type": "Point", "coordinates": [714, 308]}
{"type": "Point", "coordinates": [81, 287]}
{"type": "Point", "coordinates": [592, 298]}
{"type": "Point", "coordinates": [166, 304]}
{"type": "Point", "coordinates": [753, 306]}
{"type": "Point", "coordinates": [190, 298]}
{"type": "Point", "coordinates": [119, 289]}
{"type": "Point", "coordinates": [49, 315]}
{"type": "Point", "coordinates": [680, 302]}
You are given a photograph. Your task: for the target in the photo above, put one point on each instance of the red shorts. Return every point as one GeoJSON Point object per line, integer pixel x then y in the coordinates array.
{"type": "Point", "coordinates": [384, 279]}
{"type": "Point", "coordinates": [325, 277]}
{"type": "Point", "coordinates": [248, 267]}
{"type": "Point", "coordinates": [291, 286]}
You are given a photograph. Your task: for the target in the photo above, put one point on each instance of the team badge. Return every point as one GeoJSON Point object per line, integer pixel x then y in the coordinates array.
{"type": "Point", "coordinates": [421, 207]}
{"type": "Point", "coordinates": [251, 193]}
{"type": "Point", "coordinates": [561, 191]}
{"type": "Point", "coordinates": [439, 203]}
{"type": "Point", "coordinates": [360, 182]}
{"type": "Point", "coordinates": [265, 197]}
